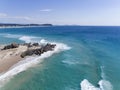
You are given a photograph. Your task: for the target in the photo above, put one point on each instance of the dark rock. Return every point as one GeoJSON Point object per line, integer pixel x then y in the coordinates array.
{"type": "Point", "coordinates": [27, 44]}
{"type": "Point", "coordinates": [39, 51]}
{"type": "Point", "coordinates": [27, 53]}
{"type": "Point", "coordinates": [35, 44]}
{"type": "Point", "coordinates": [11, 46]}
{"type": "Point", "coordinates": [30, 45]}
{"type": "Point", "coordinates": [98, 85]}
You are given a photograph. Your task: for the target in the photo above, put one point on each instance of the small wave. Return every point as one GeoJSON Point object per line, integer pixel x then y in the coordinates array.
{"type": "Point", "coordinates": [70, 62]}
{"type": "Point", "coordinates": [7, 35]}
{"type": "Point", "coordinates": [12, 36]}
{"type": "Point", "coordinates": [29, 62]}
{"type": "Point", "coordinates": [32, 39]}
{"type": "Point", "coordinates": [102, 72]}
{"type": "Point", "coordinates": [28, 39]}
{"type": "Point", "coordinates": [24, 38]}
{"type": "Point", "coordinates": [86, 85]}
{"type": "Point", "coordinates": [103, 85]}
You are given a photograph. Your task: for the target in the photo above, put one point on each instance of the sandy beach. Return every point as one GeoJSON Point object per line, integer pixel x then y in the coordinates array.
{"type": "Point", "coordinates": [10, 57]}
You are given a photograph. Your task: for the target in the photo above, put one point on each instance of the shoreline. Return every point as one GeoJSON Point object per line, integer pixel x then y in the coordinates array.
{"type": "Point", "coordinates": [22, 27]}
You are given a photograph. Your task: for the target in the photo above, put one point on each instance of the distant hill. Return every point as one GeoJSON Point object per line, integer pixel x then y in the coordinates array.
{"type": "Point", "coordinates": [12, 25]}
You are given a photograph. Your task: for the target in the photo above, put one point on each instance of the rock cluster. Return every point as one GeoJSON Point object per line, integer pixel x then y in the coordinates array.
{"type": "Point", "coordinates": [32, 48]}
{"type": "Point", "coordinates": [31, 45]}
{"type": "Point", "coordinates": [13, 45]}
{"type": "Point", "coordinates": [39, 51]}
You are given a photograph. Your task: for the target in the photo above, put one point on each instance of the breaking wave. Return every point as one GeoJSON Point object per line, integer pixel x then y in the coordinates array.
{"type": "Point", "coordinates": [28, 39]}
{"type": "Point", "coordinates": [86, 85]}
{"type": "Point", "coordinates": [103, 84]}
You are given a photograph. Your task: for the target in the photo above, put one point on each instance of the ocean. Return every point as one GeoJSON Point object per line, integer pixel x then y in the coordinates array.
{"type": "Point", "coordinates": [86, 58]}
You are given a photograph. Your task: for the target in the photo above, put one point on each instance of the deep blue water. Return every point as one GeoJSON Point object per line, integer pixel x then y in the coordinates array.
{"type": "Point", "coordinates": [94, 56]}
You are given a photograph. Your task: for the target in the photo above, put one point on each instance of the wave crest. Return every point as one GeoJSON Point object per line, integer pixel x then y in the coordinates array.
{"type": "Point", "coordinates": [86, 85]}
{"type": "Point", "coordinates": [103, 85]}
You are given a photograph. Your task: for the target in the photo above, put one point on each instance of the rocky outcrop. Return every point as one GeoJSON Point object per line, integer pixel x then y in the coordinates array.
{"type": "Point", "coordinates": [31, 45]}
{"type": "Point", "coordinates": [32, 48]}
{"type": "Point", "coordinates": [13, 45]}
{"type": "Point", "coordinates": [35, 44]}
{"type": "Point", "coordinates": [39, 51]}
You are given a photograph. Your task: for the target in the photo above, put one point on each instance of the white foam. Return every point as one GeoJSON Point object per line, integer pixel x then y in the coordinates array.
{"type": "Point", "coordinates": [29, 62]}
{"type": "Point", "coordinates": [103, 85]}
{"type": "Point", "coordinates": [102, 72]}
{"type": "Point", "coordinates": [29, 39]}
{"type": "Point", "coordinates": [24, 38]}
{"type": "Point", "coordinates": [12, 36]}
{"type": "Point", "coordinates": [70, 62]}
{"type": "Point", "coordinates": [7, 35]}
{"type": "Point", "coordinates": [86, 85]}
{"type": "Point", "coordinates": [43, 41]}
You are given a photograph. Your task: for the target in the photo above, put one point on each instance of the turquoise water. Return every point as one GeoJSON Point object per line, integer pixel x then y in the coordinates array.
{"type": "Point", "coordinates": [92, 61]}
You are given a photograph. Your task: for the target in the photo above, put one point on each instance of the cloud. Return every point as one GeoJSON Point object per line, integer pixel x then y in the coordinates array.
{"type": "Point", "coordinates": [46, 10]}
{"type": "Point", "coordinates": [20, 17]}
{"type": "Point", "coordinates": [9, 18]}
{"type": "Point", "coordinates": [3, 14]}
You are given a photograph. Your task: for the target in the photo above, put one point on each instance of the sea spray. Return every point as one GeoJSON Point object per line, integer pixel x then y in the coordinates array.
{"type": "Point", "coordinates": [29, 39]}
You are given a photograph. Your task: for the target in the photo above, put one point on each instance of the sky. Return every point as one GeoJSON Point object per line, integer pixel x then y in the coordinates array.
{"type": "Point", "coordinates": [61, 12]}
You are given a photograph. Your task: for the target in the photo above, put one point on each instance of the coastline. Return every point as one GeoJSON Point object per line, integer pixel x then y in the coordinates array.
{"type": "Point", "coordinates": [22, 27]}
